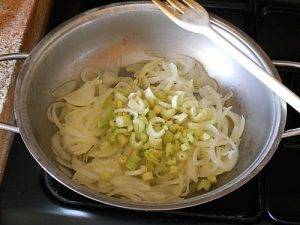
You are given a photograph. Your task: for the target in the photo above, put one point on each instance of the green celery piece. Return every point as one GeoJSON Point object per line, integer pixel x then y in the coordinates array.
{"type": "Point", "coordinates": [104, 122]}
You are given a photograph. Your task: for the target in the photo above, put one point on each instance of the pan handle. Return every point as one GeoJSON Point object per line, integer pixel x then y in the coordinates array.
{"type": "Point", "coordinates": [296, 131]}
{"type": "Point", "coordinates": [5, 57]}
{"type": "Point", "coordinates": [14, 56]}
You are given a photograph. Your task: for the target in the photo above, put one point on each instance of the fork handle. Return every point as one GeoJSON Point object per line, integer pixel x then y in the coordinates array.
{"type": "Point", "coordinates": [278, 88]}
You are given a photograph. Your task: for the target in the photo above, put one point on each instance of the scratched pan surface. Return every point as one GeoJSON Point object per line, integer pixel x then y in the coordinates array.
{"type": "Point", "coordinates": [130, 31]}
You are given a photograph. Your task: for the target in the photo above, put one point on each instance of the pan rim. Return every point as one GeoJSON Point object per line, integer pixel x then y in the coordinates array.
{"type": "Point", "coordinates": [86, 17]}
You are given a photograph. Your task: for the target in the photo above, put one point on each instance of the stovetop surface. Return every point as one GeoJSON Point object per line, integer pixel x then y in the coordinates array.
{"type": "Point", "coordinates": [30, 196]}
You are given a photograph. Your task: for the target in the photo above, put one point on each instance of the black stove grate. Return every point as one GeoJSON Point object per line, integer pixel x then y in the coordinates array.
{"type": "Point", "coordinates": [282, 184]}
{"type": "Point", "coordinates": [244, 205]}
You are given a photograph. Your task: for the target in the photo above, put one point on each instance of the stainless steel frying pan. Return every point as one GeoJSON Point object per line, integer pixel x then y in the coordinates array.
{"type": "Point", "coordinates": [130, 30]}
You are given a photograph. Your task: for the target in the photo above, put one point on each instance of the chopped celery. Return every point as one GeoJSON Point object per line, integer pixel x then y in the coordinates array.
{"type": "Point", "coordinates": [171, 162]}
{"type": "Point", "coordinates": [135, 144]}
{"type": "Point", "coordinates": [156, 143]}
{"type": "Point", "coordinates": [124, 91]}
{"type": "Point", "coordinates": [150, 157]}
{"type": "Point", "coordinates": [121, 131]}
{"type": "Point", "coordinates": [126, 111]}
{"type": "Point", "coordinates": [175, 127]}
{"type": "Point", "coordinates": [137, 105]}
{"type": "Point", "coordinates": [153, 155]}
{"type": "Point", "coordinates": [139, 125]}
{"type": "Point", "coordinates": [185, 126]}
{"type": "Point", "coordinates": [185, 132]}
{"type": "Point", "coordinates": [151, 103]}
{"type": "Point", "coordinates": [157, 109]}
{"type": "Point", "coordinates": [185, 146]}
{"type": "Point", "coordinates": [162, 95]}
{"type": "Point", "coordinates": [144, 119]}
{"type": "Point", "coordinates": [119, 104]}
{"type": "Point", "coordinates": [168, 113]}
{"type": "Point", "coordinates": [198, 133]}
{"type": "Point", "coordinates": [204, 184]}
{"type": "Point", "coordinates": [178, 135]}
{"type": "Point", "coordinates": [130, 127]}
{"type": "Point", "coordinates": [133, 162]}
{"type": "Point", "coordinates": [156, 121]}
{"type": "Point", "coordinates": [146, 103]}
{"type": "Point", "coordinates": [107, 102]}
{"type": "Point", "coordinates": [123, 121]}
{"type": "Point", "coordinates": [149, 94]}
{"type": "Point", "coordinates": [173, 169]}
{"type": "Point", "coordinates": [182, 156]}
{"type": "Point", "coordinates": [190, 137]}
{"type": "Point", "coordinates": [176, 145]}
{"type": "Point", "coordinates": [205, 136]}
{"type": "Point", "coordinates": [157, 153]}
{"type": "Point", "coordinates": [147, 176]}
{"type": "Point", "coordinates": [104, 122]}
{"type": "Point", "coordinates": [212, 179]}
{"type": "Point", "coordinates": [183, 139]}
{"type": "Point", "coordinates": [122, 139]}
{"type": "Point", "coordinates": [143, 137]}
{"type": "Point", "coordinates": [146, 146]}
{"type": "Point", "coordinates": [180, 118]}
{"type": "Point", "coordinates": [182, 110]}
{"type": "Point", "coordinates": [111, 137]}
{"type": "Point", "coordinates": [112, 124]}
{"type": "Point", "coordinates": [120, 97]}
{"type": "Point", "coordinates": [169, 150]}
{"type": "Point", "coordinates": [151, 115]}
{"type": "Point", "coordinates": [169, 123]}
{"type": "Point", "coordinates": [168, 137]}
{"type": "Point", "coordinates": [157, 127]}
{"type": "Point", "coordinates": [174, 101]}
{"type": "Point", "coordinates": [141, 153]}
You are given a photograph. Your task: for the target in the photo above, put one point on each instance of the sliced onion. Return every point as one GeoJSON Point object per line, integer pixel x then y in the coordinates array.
{"type": "Point", "coordinates": [140, 171]}
{"type": "Point", "coordinates": [90, 73]}
{"type": "Point", "coordinates": [136, 103]}
{"type": "Point", "coordinates": [94, 146]}
{"type": "Point", "coordinates": [149, 94]}
{"type": "Point", "coordinates": [82, 97]}
{"type": "Point", "coordinates": [175, 101]}
{"type": "Point", "coordinates": [180, 118]}
{"type": "Point", "coordinates": [150, 130]}
{"type": "Point", "coordinates": [129, 181]}
{"type": "Point", "coordinates": [65, 88]}
{"type": "Point", "coordinates": [130, 111]}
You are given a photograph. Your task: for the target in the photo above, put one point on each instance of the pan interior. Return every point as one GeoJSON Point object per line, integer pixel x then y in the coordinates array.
{"type": "Point", "coordinates": [131, 32]}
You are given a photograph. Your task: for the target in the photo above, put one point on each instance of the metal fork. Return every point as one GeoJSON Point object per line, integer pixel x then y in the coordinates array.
{"type": "Point", "coordinates": [191, 16]}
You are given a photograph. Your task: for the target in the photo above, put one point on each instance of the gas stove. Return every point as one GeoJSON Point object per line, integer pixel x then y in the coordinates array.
{"type": "Point", "coordinates": [29, 196]}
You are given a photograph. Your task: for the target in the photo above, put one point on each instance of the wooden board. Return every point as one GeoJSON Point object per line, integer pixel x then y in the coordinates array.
{"type": "Point", "coordinates": [22, 24]}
